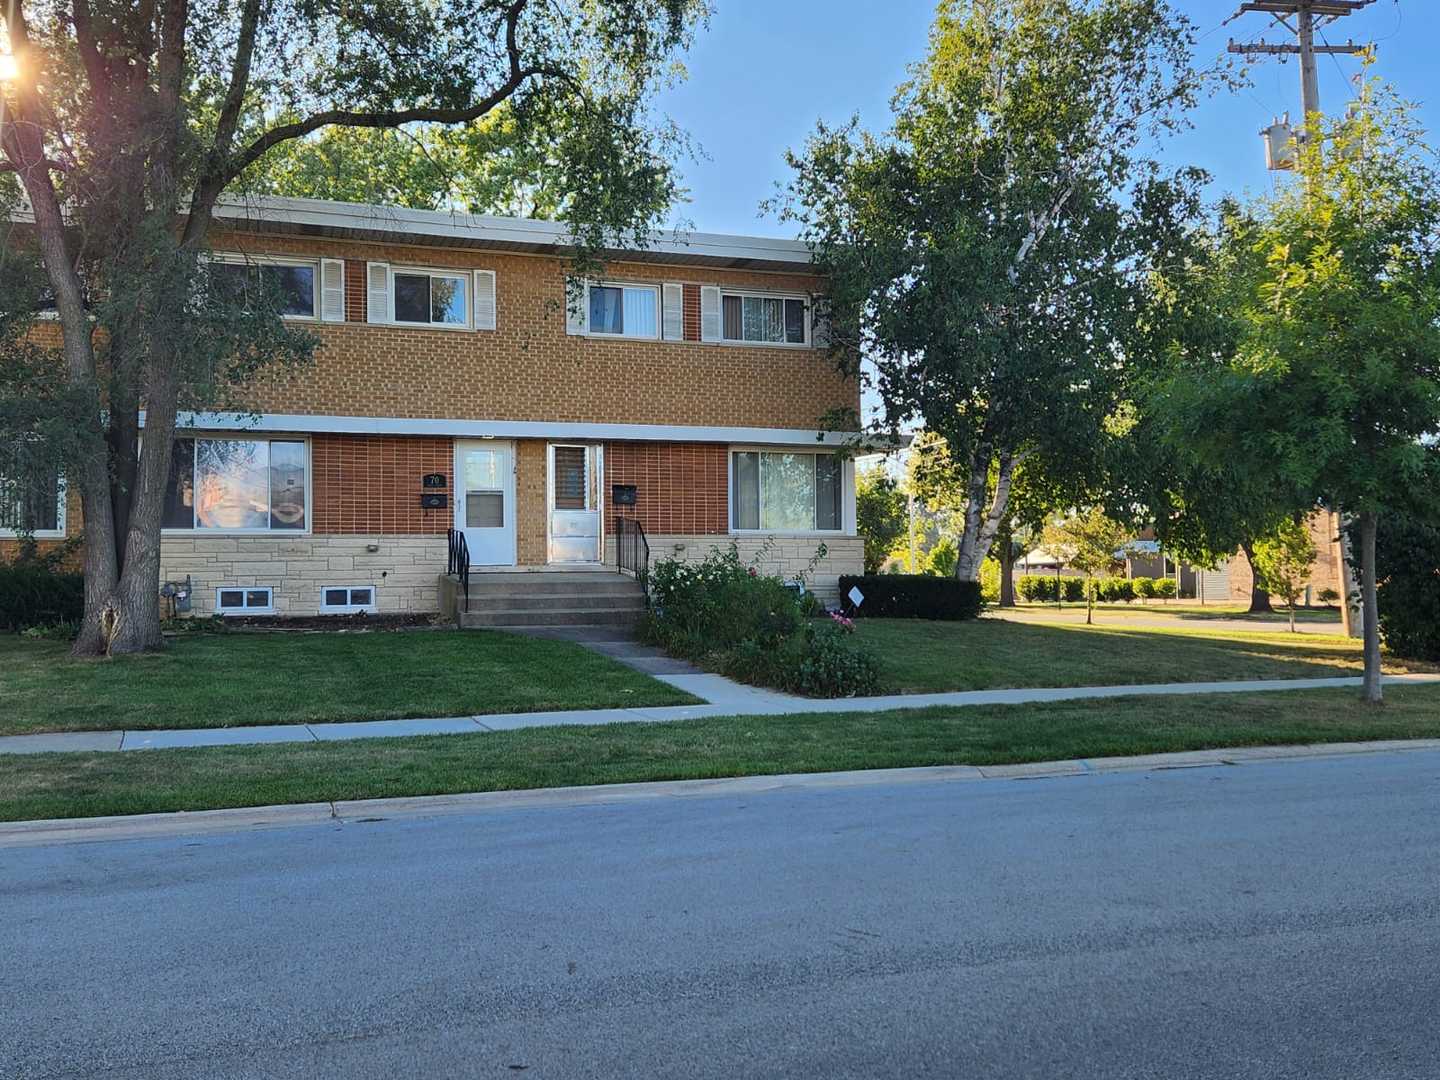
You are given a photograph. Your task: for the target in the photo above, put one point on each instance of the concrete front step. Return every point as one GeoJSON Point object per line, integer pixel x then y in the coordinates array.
{"type": "Point", "coordinates": [502, 619]}
{"type": "Point", "coordinates": [611, 586]}
{"type": "Point", "coordinates": [619, 602]}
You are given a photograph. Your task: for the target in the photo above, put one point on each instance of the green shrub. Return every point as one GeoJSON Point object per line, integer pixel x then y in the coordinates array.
{"type": "Point", "coordinates": [911, 596]}
{"type": "Point", "coordinates": [34, 595]}
{"type": "Point", "coordinates": [990, 581]}
{"type": "Point", "coordinates": [942, 558]}
{"type": "Point", "coordinates": [1119, 590]}
{"type": "Point", "coordinates": [752, 627]}
{"type": "Point", "coordinates": [1145, 588]}
{"type": "Point", "coordinates": [1407, 552]}
{"type": "Point", "coordinates": [1166, 588]}
{"type": "Point", "coordinates": [1328, 597]}
{"type": "Point", "coordinates": [1073, 589]}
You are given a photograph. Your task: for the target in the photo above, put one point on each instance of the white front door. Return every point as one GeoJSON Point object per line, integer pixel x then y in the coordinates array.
{"type": "Point", "coordinates": [485, 500]}
{"type": "Point", "coordinates": [575, 474]}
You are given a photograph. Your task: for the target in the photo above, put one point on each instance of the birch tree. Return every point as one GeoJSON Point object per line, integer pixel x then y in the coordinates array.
{"type": "Point", "coordinates": [985, 252]}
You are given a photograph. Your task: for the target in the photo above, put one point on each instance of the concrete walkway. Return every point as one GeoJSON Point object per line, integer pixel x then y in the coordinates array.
{"type": "Point", "coordinates": [723, 697]}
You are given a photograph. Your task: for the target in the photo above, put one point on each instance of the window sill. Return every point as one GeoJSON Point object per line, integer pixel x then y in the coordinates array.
{"type": "Point", "coordinates": [277, 534]}
{"type": "Point", "coordinates": [452, 327]}
{"type": "Point", "coordinates": [39, 534]}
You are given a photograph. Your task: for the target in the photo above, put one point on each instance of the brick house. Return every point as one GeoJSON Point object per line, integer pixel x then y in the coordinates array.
{"type": "Point", "coordinates": [455, 388]}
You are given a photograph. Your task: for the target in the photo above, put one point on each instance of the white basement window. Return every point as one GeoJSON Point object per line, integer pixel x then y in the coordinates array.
{"type": "Point", "coordinates": [347, 599]}
{"type": "Point", "coordinates": [245, 600]}
{"type": "Point", "coordinates": [778, 491]}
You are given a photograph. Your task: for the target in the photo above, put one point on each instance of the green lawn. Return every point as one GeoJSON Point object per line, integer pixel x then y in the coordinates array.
{"type": "Point", "coordinates": [237, 679]}
{"type": "Point", "coordinates": [94, 784]}
{"type": "Point", "coordinates": [916, 656]}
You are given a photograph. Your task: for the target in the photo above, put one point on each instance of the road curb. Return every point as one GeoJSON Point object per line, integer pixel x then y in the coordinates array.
{"type": "Point", "coordinates": [363, 811]}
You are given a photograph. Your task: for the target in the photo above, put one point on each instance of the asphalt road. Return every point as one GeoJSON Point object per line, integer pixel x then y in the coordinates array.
{"type": "Point", "coordinates": [1277, 920]}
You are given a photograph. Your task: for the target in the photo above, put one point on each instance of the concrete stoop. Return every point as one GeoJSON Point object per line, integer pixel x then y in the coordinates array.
{"type": "Point", "coordinates": [528, 601]}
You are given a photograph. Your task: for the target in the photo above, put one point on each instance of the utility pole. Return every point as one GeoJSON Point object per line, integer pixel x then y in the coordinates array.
{"type": "Point", "coordinates": [1309, 16]}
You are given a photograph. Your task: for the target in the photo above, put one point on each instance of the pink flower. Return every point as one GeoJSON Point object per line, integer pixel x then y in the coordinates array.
{"type": "Point", "coordinates": [753, 572]}
{"type": "Point", "coordinates": [848, 625]}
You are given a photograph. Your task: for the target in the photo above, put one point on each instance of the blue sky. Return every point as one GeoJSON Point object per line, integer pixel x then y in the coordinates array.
{"type": "Point", "coordinates": [764, 72]}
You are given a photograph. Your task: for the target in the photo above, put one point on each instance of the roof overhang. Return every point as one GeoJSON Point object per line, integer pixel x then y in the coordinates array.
{"type": "Point", "coordinates": [438, 228]}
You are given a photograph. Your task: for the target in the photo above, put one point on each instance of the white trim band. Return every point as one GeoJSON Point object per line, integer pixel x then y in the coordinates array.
{"type": "Point", "coordinates": [299, 423]}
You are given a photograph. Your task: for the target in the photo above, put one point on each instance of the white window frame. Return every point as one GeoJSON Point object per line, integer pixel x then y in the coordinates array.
{"type": "Point", "coordinates": [847, 490]}
{"type": "Point", "coordinates": [242, 258]}
{"type": "Point", "coordinates": [371, 608]}
{"type": "Point", "coordinates": [57, 533]}
{"type": "Point", "coordinates": [268, 609]}
{"type": "Point", "coordinates": [241, 436]}
{"type": "Point", "coordinates": [467, 277]}
{"type": "Point", "coordinates": [651, 286]}
{"type": "Point", "coordinates": [762, 295]}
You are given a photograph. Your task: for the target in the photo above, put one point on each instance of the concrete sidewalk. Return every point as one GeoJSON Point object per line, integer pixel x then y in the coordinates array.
{"type": "Point", "coordinates": [723, 697]}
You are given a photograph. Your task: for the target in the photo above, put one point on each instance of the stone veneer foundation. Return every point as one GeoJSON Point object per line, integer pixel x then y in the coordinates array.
{"type": "Point", "coordinates": [404, 570]}
{"type": "Point", "coordinates": [787, 556]}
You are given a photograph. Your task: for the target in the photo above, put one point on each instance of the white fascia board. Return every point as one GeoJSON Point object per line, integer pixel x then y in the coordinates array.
{"type": "Point", "coordinates": [488, 229]}
{"type": "Point", "coordinates": [506, 429]}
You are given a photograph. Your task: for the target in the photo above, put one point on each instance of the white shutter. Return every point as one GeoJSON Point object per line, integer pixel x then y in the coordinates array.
{"type": "Point", "coordinates": [819, 322]}
{"type": "Point", "coordinates": [577, 319]}
{"type": "Point", "coordinates": [484, 299]}
{"type": "Point", "coordinates": [332, 290]}
{"type": "Point", "coordinates": [673, 305]}
{"type": "Point", "coordinates": [377, 292]}
{"type": "Point", "coordinates": [709, 313]}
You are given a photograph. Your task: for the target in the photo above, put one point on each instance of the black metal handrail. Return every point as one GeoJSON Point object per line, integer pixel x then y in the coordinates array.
{"type": "Point", "coordinates": [459, 562]}
{"type": "Point", "coordinates": [632, 550]}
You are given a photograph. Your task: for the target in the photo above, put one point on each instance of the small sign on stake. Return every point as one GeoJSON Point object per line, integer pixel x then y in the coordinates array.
{"type": "Point", "coordinates": [856, 596]}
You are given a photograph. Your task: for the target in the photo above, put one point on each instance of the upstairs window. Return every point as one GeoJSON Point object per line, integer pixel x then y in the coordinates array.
{"type": "Point", "coordinates": [431, 298]}
{"type": "Point", "coordinates": [624, 310]}
{"type": "Point", "coordinates": [237, 485]}
{"type": "Point", "coordinates": [764, 320]}
{"type": "Point", "coordinates": [784, 492]}
{"type": "Point", "coordinates": [292, 283]}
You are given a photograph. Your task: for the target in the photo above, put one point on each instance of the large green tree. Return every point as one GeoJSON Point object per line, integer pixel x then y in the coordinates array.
{"type": "Point", "coordinates": [985, 253]}
{"type": "Point", "coordinates": [130, 120]}
{"type": "Point", "coordinates": [1331, 390]}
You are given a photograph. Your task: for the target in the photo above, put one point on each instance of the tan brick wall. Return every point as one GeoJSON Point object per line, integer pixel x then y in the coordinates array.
{"type": "Point", "coordinates": [371, 483]}
{"type": "Point", "coordinates": [530, 369]}
{"type": "Point", "coordinates": [787, 556]}
{"type": "Point", "coordinates": [404, 571]}
{"type": "Point", "coordinates": [1324, 573]}
{"type": "Point", "coordinates": [530, 502]}
{"type": "Point", "coordinates": [682, 488]}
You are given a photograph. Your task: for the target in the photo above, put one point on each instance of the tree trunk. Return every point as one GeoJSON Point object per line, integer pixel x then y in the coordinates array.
{"type": "Point", "coordinates": [1259, 598]}
{"type": "Point", "coordinates": [1089, 602]}
{"type": "Point", "coordinates": [1007, 570]}
{"type": "Point", "coordinates": [1373, 691]}
{"type": "Point", "coordinates": [982, 522]}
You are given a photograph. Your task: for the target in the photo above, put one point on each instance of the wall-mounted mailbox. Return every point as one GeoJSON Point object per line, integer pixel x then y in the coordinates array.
{"type": "Point", "coordinates": [433, 480]}
{"type": "Point", "coordinates": [434, 501]}
{"type": "Point", "coordinates": [623, 494]}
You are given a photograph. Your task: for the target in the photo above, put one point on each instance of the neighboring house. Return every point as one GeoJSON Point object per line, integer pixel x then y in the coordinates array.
{"type": "Point", "coordinates": [457, 389]}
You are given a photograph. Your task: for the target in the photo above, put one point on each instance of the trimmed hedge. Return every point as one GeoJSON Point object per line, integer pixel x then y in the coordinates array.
{"type": "Point", "coordinates": [911, 596]}
{"type": "Point", "coordinates": [33, 596]}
